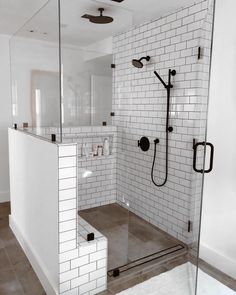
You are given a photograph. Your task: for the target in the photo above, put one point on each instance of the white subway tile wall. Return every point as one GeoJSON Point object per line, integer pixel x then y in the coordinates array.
{"type": "Point", "coordinates": [139, 102]}
{"type": "Point", "coordinates": [96, 175]}
{"type": "Point", "coordinates": [96, 181]}
{"type": "Point", "coordinates": [82, 264]}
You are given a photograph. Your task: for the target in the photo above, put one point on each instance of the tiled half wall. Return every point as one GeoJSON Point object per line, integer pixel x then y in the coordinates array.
{"type": "Point", "coordinates": [82, 264]}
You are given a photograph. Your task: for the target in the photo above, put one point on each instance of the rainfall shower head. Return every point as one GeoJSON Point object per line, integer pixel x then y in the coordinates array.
{"type": "Point", "coordinates": [98, 19]}
{"type": "Point", "coordinates": [137, 63]}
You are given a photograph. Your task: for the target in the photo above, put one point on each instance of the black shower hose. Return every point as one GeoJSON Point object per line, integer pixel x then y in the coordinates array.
{"type": "Point", "coordinates": [156, 141]}
{"type": "Point", "coordinates": [168, 128]}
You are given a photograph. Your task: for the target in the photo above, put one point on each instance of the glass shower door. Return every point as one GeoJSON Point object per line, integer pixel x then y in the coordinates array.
{"type": "Point", "coordinates": [164, 218]}
{"type": "Point", "coordinates": [217, 245]}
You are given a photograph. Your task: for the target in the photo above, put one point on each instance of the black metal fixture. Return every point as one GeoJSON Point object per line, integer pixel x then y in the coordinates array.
{"type": "Point", "coordinates": [190, 226]}
{"type": "Point", "coordinates": [119, 1]}
{"type": "Point", "coordinates": [168, 128]}
{"type": "Point", "coordinates": [116, 272]}
{"type": "Point", "coordinates": [15, 126]}
{"type": "Point", "coordinates": [144, 144]}
{"type": "Point", "coordinates": [98, 19]}
{"type": "Point", "coordinates": [195, 147]}
{"type": "Point", "coordinates": [199, 55]}
{"type": "Point", "coordinates": [53, 137]}
{"type": "Point", "coordinates": [137, 63]}
{"type": "Point", "coordinates": [90, 237]}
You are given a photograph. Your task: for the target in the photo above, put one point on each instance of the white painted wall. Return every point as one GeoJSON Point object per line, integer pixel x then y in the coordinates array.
{"type": "Point", "coordinates": [5, 117]}
{"type": "Point", "coordinates": [34, 203]}
{"type": "Point", "coordinates": [98, 49]}
{"type": "Point", "coordinates": [218, 241]}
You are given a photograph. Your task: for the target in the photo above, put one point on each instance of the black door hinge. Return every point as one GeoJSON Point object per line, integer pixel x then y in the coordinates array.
{"type": "Point", "coordinates": [190, 226]}
{"type": "Point", "coordinates": [199, 52]}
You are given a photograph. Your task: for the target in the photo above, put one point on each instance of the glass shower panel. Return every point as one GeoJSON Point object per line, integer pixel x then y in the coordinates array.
{"type": "Point", "coordinates": [87, 112]}
{"type": "Point", "coordinates": [200, 149]}
{"type": "Point", "coordinates": [87, 87]}
{"type": "Point", "coordinates": [87, 61]}
{"type": "Point", "coordinates": [164, 219]}
{"type": "Point", "coordinates": [35, 73]}
{"type": "Point", "coordinates": [144, 222]}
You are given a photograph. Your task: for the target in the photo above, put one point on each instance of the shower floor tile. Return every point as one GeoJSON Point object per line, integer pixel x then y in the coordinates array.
{"type": "Point", "coordinates": [129, 237]}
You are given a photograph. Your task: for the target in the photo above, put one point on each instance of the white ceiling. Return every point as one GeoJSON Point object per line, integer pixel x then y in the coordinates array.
{"type": "Point", "coordinates": [14, 13]}
{"type": "Point", "coordinates": [75, 30]}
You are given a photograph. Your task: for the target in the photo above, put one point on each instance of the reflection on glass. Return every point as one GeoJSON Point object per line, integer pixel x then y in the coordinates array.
{"type": "Point", "coordinates": [34, 52]}
{"type": "Point", "coordinates": [87, 87]}
{"type": "Point", "coordinates": [44, 111]}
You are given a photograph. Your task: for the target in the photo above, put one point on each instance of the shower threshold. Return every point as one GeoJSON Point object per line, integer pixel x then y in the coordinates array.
{"type": "Point", "coordinates": [132, 241]}
{"type": "Point", "coordinates": [156, 256]}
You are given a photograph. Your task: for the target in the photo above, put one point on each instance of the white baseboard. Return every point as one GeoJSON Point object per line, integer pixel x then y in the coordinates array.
{"type": "Point", "coordinates": [4, 197]}
{"type": "Point", "coordinates": [218, 260]}
{"type": "Point", "coordinates": [34, 260]}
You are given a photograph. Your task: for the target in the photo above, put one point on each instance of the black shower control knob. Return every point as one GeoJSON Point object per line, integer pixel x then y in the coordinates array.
{"type": "Point", "coordinates": [170, 129]}
{"type": "Point", "coordinates": [144, 144]}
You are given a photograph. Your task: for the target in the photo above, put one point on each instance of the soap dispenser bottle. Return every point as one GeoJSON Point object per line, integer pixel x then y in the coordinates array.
{"type": "Point", "coordinates": [106, 147]}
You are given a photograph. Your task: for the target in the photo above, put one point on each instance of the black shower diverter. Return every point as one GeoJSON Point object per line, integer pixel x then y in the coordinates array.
{"type": "Point", "coordinates": [144, 144]}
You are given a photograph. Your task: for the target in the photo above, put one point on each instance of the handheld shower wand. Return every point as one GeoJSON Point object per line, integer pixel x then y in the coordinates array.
{"type": "Point", "coordinates": [168, 128]}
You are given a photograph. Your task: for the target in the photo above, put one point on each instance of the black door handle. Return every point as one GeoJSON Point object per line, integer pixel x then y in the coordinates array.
{"type": "Point", "coordinates": [195, 147]}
